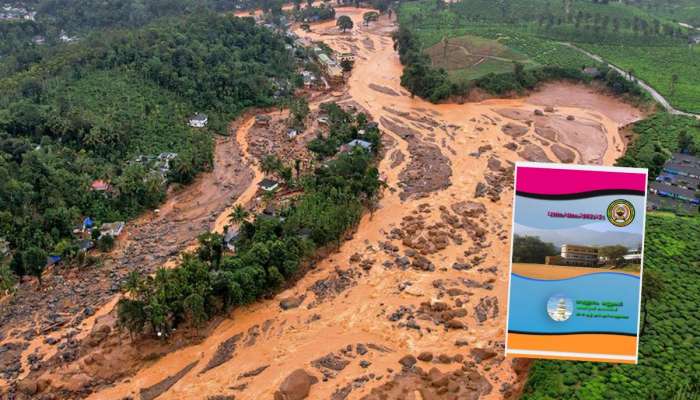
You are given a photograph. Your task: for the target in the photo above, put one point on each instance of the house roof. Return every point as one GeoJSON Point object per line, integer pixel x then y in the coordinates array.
{"type": "Point", "coordinates": [199, 117]}
{"type": "Point", "coordinates": [99, 184]}
{"type": "Point", "coordinates": [87, 222]}
{"type": "Point", "coordinates": [362, 143]}
{"type": "Point", "coordinates": [683, 163]}
{"type": "Point", "coordinates": [268, 183]}
{"type": "Point", "coordinates": [678, 191]}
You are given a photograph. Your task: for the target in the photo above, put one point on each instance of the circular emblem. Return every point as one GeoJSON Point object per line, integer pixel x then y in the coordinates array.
{"type": "Point", "coordinates": [560, 308]}
{"type": "Point", "coordinates": [620, 213]}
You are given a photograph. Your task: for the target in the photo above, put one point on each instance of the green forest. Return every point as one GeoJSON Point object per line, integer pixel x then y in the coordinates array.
{"type": "Point", "coordinates": [270, 250]}
{"type": "Point", "coordinates": [94, 109]}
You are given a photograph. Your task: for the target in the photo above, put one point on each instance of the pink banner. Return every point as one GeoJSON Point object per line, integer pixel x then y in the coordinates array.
{"type": "Point", "coordinates": [562, 181]}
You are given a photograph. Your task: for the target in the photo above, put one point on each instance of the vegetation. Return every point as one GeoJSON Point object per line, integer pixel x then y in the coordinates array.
{"type": "Point", "coordinates": [343, 127]}
{"type": "Point", "coordinates": [269, 251]}
{"type": "Point", "coordinates": [344, 23]}
{"type": "Point", "coordinates": [669, 363]}
{"type": "Point", "coordinates": [531, 249]}
{"type": "Point", "coordinates": [103, 108]}
{"type": "Point", "coordinates": [653, 63]}
{"type": "Point", "coordinates": [657, 137]}
{"type": "Point", "coordinates": [477, 42]}
{"type": "Point", "coordinates": [313, 14]}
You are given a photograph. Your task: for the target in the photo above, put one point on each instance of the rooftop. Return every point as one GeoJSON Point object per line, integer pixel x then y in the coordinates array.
{"type": "Point", "coordinates": [199, 117]}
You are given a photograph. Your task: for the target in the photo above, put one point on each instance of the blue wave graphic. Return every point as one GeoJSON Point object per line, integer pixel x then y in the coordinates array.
{"type": "Point", "coordinates": [574, 277]}
{"type": "Point", "coordinates": [529, 296]}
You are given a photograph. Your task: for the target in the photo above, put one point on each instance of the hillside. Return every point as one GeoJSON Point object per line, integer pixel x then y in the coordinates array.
{"type": "Point", "coordinates": [652, 47]}
{"type": "Point", "coordinates": [91, 110]}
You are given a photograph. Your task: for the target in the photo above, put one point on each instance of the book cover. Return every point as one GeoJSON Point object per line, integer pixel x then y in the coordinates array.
{"type": "Point", "coordinates": [576, 262]}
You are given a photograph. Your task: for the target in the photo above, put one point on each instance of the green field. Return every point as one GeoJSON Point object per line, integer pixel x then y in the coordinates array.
{"type": "Point", "coordinates": [657, 65]}
{"type": "Point", "coordinates": [470, 57]}
{"type": "Point", "coordinates": [634, 38]}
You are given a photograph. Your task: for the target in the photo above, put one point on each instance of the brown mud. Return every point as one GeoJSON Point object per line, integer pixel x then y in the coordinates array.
{"type": "Point", "coordinates": [411, 305]}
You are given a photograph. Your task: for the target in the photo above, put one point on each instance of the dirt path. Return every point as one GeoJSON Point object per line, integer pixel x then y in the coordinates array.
{"type": "Point", "coordinates": [425, 273]}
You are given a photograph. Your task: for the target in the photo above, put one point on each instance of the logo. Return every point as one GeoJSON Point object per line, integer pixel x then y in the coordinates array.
{"type": "Point", "coordinates": [620, 213]}
{"type": "Point", "coordinates": [560, 308]}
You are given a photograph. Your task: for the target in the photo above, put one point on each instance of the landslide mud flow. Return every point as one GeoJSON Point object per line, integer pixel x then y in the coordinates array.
{"type": "Point", "coordinates": [412, 305]}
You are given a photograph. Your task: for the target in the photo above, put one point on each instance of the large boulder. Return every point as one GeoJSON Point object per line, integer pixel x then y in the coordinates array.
{"type": "Point", "coordinates": [296, 386]}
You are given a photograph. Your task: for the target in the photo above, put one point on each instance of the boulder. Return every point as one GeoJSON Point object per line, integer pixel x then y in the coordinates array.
{"type": "Point", "coordinates": [296, 386]}
{"type": "Point", "coordinates": [291, 302]}
{"type": "Point", "coordinates": [408, 361]}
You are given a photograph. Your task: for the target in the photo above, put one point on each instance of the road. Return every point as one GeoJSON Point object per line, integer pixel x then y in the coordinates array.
{"type": "Point", "coordinates": [655, 94]}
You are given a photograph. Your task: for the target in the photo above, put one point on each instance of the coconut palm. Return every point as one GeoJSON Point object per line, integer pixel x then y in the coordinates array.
{"type": "Point", "coordinates": [238, 215]}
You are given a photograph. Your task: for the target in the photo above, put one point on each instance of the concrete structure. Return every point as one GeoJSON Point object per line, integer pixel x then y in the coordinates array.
{"type": "Point", "coordinates": [112, 229]}
{"type": "Point", "coordinates": [355, 143]}
{"type": "Point", "coordinates": [268, 185]}
{"type": "Point", "coordinates": [199, 120]}
{"type": "Point", "coordinates": [678, 185]}
{"type": "Point", "coordinates": [571, 254]}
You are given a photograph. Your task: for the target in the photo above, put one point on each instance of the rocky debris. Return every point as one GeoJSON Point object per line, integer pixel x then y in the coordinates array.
{"type": "Point", "coordinates": [461, 266]}
{"type": "Point", "coordinates": [291, 302]}
{"type": "Point", "coordinates": [10, 354]}
{"type": "Point", "coordinates": [383, 89]}
{"type": "Point", "coordinates": [425, 356]}
{"type": "Point", "coordinates": [361, 349]}
{"type": "Point", "coordinates": [511, 146]}
{"type": "Point", "coordinates": [570, 118]}
{"type": "Point", "coordinates": [463, 383]}
{"type": "Point", "coordinates": [336, 283]}
{"type": "Point", "coordinates": [296, 386]}
{"type": "Point", "coordinates": [224, 352]}
{"type": "Point", "coordinates": [563, 154]}
{"type": "Point", "coordinates": [487, 308]}
{"type": "Point", "coordinates": [161, 387]}
{"type": "Point", "coordinates": [479, 355]}
{"type": "Point", "coordinates": [532, 152]}
{"type": "Point", "coordinates": [397, 157]}
{"type": "Point", "coordinates": [254, 372]}
{"type": "Point", "coordinates": [408, 361]}
{"type": "Point", "coordinates": [365, 363]}
{"type": "Point", "coordinates": [468, 209]}
{"type": "Point", "coordinates": [98, 334]}
{"type": "Point", "coordinates": [539, 112]}
{"type": "Point", "coordinates": [442, 314]}
{"type": "Point", "coordinates": [329, 363]}
{"type": "Point", "coordinates": [549, 109]}
{"type": "Point", "coordinates": [496, 183]}
{"type": "Point", "coordinates": [514, 130]}
{"type": "Point", "coordinates": [428, 169]}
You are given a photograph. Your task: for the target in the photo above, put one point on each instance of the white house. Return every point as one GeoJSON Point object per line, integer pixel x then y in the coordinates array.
{"type": "Point", "coordinates": [268, 185]}
{"type": "Point", "coordinates": [199, 120]}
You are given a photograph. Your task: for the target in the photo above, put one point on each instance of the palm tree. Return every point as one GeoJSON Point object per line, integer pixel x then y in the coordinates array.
{"type": "Point", "coordinates": [133, 283]}
{"type": "Point", "coordinates": [238, 215]}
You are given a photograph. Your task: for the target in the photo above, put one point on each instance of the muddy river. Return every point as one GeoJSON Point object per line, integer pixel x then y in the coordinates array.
{"type": "Point", "coordinates": [423, 276]}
